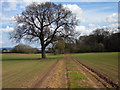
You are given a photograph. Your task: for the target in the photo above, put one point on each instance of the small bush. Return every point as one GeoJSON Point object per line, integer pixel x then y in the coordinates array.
{"type": "Point", "coordinates": [24, 49]}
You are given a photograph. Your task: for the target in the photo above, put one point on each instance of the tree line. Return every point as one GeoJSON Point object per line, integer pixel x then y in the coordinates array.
{"type": "Point", "coordinates": [100, 40]}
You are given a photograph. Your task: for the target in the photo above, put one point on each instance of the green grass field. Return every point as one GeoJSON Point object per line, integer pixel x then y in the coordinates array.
{"type": "Point", "coordinates": [22, 70]}
{"type": "Point", "coordinates": [106, 63]}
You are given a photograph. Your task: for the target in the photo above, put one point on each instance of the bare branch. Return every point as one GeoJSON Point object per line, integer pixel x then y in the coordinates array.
{"type": "Point", "coordinates": [43, 22]}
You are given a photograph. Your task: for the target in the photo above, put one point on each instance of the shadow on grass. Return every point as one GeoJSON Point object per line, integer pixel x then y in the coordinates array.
{"type": "Point", "coordinates": [21, 59]}
{"type": "Point", "coordinates": [15, 59]}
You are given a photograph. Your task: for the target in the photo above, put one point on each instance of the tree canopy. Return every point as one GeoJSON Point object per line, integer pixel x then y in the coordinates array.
{"type": "Point", "coordinates": [21, 48]}
{"type": "Point", "coordinates": [42, 22]}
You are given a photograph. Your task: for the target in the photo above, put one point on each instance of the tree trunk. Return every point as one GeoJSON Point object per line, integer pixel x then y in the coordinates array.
{"type": "Point", "coordinates": [54, 51]}
{"type": "Point", "coordinates": [43, 53]}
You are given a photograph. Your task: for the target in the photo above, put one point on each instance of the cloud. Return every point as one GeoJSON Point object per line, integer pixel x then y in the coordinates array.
{"type": "Point", "coordinates": [105, 0]}
{"type": "Point", "coordinates": [1, 42]}
{"type": "Point", "coordinates": [35, 1]}
{"type": "Point", "coordinates": [73, 0]}
{"type": "Point", "coordinates": [75, 10]}
{"type": "Point", "coordinates": [13, 4]}
{"type": "Point", "coordinates": [6, 20]}
{"type": "Point", "coordinates": [113, 28]}
{"type": "Point", "coordinates": [7, 29]}
{"type": "Point", "coordinates": [80, 28]}
{"type": "Point", "coordinates": [113, 18]}
{"type": "Point", "coordinates": [88, 29]}
{"type": "Point", "coordinates": [84, 30]}
{"type": "Point", "coordinates": [115, 25]}
{"type": "Point", "coordinates": [91, 25]}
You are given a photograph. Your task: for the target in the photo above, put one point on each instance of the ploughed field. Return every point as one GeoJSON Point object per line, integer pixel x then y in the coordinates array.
{"type": "Point", "coordinates": [59, 71]}
{"type": "Point", "coordinates": [105, 63]}
{"type": "Point", "coordinates": [22, 70]}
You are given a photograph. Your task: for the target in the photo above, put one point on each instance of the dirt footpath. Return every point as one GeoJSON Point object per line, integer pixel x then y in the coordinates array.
{"type": "Point", "coordinates": [69, 73]}
{"type": "Point", "coordinates": [56, 78]}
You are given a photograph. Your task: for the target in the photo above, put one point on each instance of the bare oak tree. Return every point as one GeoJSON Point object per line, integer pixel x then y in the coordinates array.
{"type": "Point", "coordinates": [42, 22]}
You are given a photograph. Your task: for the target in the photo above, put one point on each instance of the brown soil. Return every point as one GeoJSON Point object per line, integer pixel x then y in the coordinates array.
{"type": "Point", "coordinates": [41, 79]}
{"type": "Point", "coordinates": [55, 77]}
{"type": "Point", "coordinates": [58, 76]}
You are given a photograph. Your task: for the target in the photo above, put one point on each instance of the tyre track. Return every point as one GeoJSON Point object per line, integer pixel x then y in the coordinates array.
{"type": "Point", "coordinates": [44, 76]}
{"type": "Point", "coordinates": [88, 83]}
{"type": "Point", "coordinates": [107, 82]}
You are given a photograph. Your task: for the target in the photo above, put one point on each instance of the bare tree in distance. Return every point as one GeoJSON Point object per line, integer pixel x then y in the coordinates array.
{"type": "Point", "coordinates": [42, 22]}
